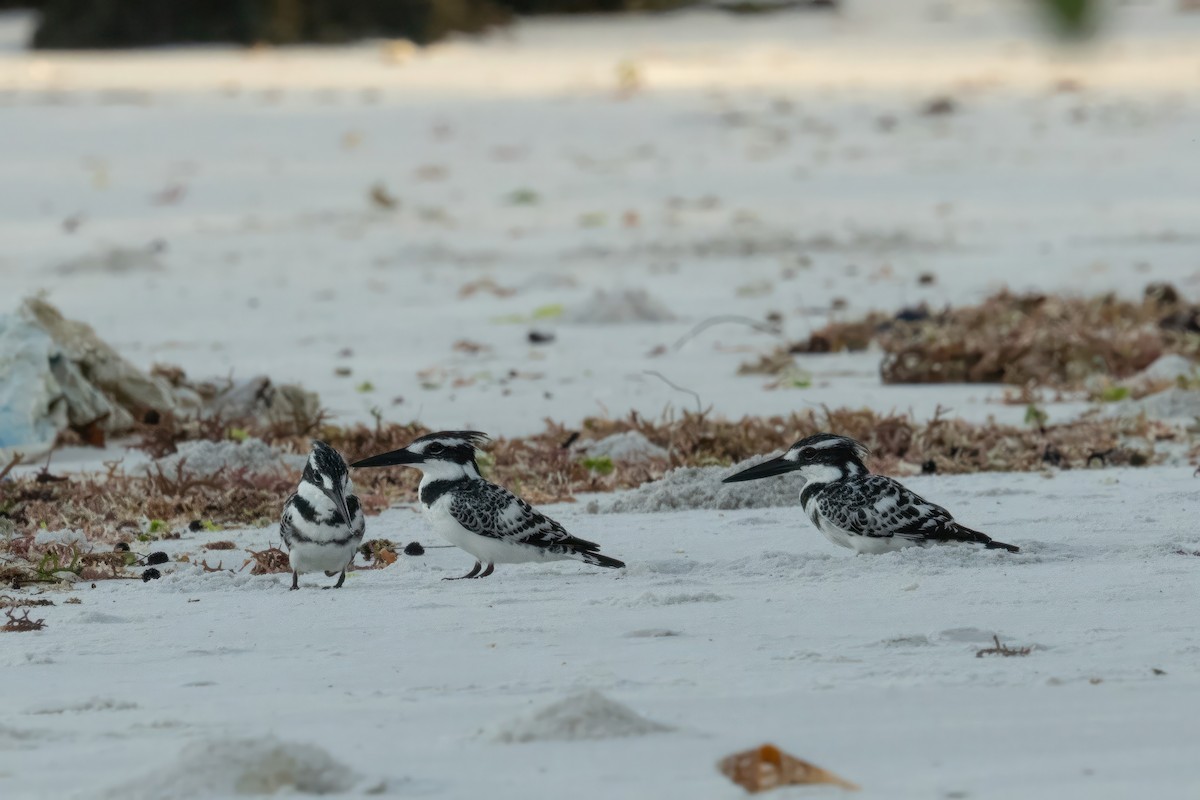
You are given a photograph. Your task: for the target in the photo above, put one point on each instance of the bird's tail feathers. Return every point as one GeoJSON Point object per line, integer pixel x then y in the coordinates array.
{"type": "Point", "coordinates": [596, 559]}
{"type": "Point", "coordinates": [987, 541]}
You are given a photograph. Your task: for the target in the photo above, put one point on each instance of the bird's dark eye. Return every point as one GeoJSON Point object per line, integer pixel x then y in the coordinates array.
{"type": "Point", "coordinates": [435, 448]}
{"type": "Point", "coordinates": [808, 452]}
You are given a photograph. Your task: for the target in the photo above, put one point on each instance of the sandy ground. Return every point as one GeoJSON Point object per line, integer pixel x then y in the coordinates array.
{"type": "Point", "coordinates": [211, 208]}
{"type": "Point", "coordinates": [733, 628]}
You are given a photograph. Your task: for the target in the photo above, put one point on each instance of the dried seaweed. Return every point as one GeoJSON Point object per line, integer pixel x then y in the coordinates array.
{"type": "Point", "coordinates": [1002, 650]}
{"type": "Point", "coordinates": [1026, 340]}
{"type": "Point", "coordinates": [268, 561]}
{"type": "Point", "coordinates": [112, 507]}
{"type": "Point", "coordinates": [21, 623]}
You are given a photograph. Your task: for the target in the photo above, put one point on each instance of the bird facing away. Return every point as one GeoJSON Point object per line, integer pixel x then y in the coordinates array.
{"type": "Point", "coordinates": [488, 521]}
{"type": "Point", "coordinates": [853, 508]}
{"type": "Point", "coordinates": [323, 523]}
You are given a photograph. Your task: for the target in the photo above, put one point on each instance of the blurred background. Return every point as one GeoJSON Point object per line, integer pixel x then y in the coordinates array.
{"type": "Point", "coordinates": [484, 213]}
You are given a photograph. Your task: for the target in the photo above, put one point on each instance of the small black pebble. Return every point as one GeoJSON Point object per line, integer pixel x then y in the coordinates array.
{"type": "Point", "coordinates": [195, 525]}
{"type": "Point", "coordinates": [158, 557]}
{"type": "Point", "coordinates": [929, 467]}
{"type": "Point", "coordinates": [414, 549]}
{"type": "Point", "coordinates": [150, 575]}
{"type": "Point", "coordinates": [152, 417]}
{"type": "Point", "coordinates": [541, 337]}
{"type": "Point", "coordinates": [1052, 456]}
{"type": "Point", "coordinates": [121, 547]}
{"type": "Point", "coordinates": [916, 314]}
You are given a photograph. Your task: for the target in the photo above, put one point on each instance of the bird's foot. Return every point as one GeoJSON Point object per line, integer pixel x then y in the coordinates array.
{"type": "Point", "coordinates": [474, 573]}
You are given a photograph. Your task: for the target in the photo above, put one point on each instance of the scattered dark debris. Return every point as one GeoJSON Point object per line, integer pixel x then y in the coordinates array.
{"type": "Point", "coordinates": [343, 371]}
{"type": "Point", "coordinates": [221, 545]}
{"type": "Point", "coordinates": [1158, 671]}
{"type": "Point", "coordinates": [195, 526]}
{"type": "Point", "coordinates": [381, 198]}
{"type": "Point", "coordinates": [73, 601]}
{"type": "Point", "coordinates": [150, 575]}
{"type": "Point", "coordinates": [929, 467]}
{"type": "Point", "coordinates": [470, 347]}
{"type": "Point", "coordinates": [1181, 552]}
{"type": "Point", "coordinates": [1095, 681]}
{"type": "Point", "coordinates": [1002, 650]}
{"type": "Point", "coordinates": [1052, 456]}
{"type": "Point", "coordinates": [938, 106]}
{"type": "Point", "coordinates": [926, 279]}
{"type": "Point", "coordinates": [414, 549]}
{"type": "Point", "coordinates": [541, 337]}
{"type": "Point", "coordinates": [485, 285]}
{"type": "Point", "coordinates": [157, 557]}
{"type": "Point", "coordinates": [121, 547]}
{"type": "Point", "coordinates": [22, 623]}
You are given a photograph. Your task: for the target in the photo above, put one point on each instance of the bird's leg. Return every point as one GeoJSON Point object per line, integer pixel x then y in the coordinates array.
{"type": "Point", "coordinates": [474, 571]}
{"type": "Point", "coordinates": [341, 580]}
{"type": "Point", "coordinates": [295, 581]}
{"type": "Point", "coordinates": [490, 569]}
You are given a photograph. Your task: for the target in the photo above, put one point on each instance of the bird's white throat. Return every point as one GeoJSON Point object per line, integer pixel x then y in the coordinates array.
{"type": "Point", "coordinates": [315, 497]}
{"type": "Point", "coordinates": [822, 473]}
{"type": "Point", "coordinates": [445, 471]}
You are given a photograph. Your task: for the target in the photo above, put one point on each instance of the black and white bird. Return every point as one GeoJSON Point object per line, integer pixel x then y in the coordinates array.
{"type": "Point", "coordinates": [323, 523]}
{"type": "Point", "coordinates": [488, 521]}
{"type": "Point", "coordinates": [853, 508]}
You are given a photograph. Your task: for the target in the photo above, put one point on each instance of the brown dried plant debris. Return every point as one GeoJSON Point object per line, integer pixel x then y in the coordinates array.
{"type": "Point", "coordinates": [1029, 340]}
{"type": "Point", "coordinates": [380, 551]}
{"type": "Point", "coordinates": [1002, 650]}
{"type": "Point", "coordinates": [8, 601]}
{"type": "Point", "coordinates": [268, 561]}
{"type": "Point", "coordinates": [549, 467]}
{"type": "Point", "coordinates": [221, 545]}
{"type": "Point", "coordinates": [21, 623]}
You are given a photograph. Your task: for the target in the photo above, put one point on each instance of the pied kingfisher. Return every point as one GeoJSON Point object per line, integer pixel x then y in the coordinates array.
{"type": "Point", "coordinates": [853, 508]}
{"type": "Point", "coordinates": [488, 521]}
{"type": "Point", "coordinates": [322, 524]}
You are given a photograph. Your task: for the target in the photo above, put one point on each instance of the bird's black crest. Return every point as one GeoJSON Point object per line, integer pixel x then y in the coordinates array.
{"type": "Point", "coordinates": [829, 447]}
{"type": "Point", "coordinates": [327, 462]}
{"type": "Point", "coordinates": [474, 438]}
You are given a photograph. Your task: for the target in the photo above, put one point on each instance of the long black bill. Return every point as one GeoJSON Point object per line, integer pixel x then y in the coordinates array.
{"type": "Point", "coordinates": [776, 466]}
{"type": "Point", "coordinates": [340, 501]}
{"type": "Point", "coordinates": [394, 458]}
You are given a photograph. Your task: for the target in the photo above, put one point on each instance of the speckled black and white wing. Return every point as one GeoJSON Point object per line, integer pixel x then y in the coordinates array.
{"type": "Point", "coordinates": [492, 511]}
{"type": "Point", "coordinates": [878, 507]}
{"type": "Point", "coordinates": [287, 528]}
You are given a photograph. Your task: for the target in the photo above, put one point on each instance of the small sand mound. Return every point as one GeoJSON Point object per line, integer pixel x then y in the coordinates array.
{"type": "Point", "coordinates": [587, 715]}
{"type": "Point", "coordinates": [701, 487]}
{"type": "Point", "coordinates": [247, 767]}
{"type": "Point", "coordinates": [619, 307]}
{"type": "Point", "coordinates": [627, 446]}
{"type": "Point", "coordinates": [205, 458]}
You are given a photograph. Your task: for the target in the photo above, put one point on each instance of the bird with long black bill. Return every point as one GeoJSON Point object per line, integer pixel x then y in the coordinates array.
{"type": "Point", "coordinates": [853, 508]}
{"type": "Point", "coordinates": [488, 521]}
{"type": "Point", "coordinates": [323, 523]}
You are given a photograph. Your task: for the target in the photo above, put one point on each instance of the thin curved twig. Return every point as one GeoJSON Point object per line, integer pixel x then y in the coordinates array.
{"type": "Point", "coordinates": [676, 387]}
{"type": "Point", "coordinates": [722, 319]}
